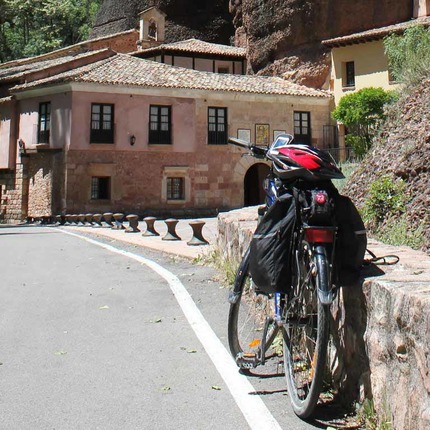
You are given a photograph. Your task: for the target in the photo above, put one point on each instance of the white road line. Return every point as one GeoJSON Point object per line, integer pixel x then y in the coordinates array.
{"type": "Point", "coordinates": [252, 407]}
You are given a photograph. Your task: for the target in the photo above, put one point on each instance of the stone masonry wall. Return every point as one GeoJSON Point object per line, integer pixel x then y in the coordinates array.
{"type": "Point", "coordinates": [137, 180]}
{"type": "Point", "coordinates": [13, 203]}
{"type": "Point", "coordinates": [380, 329]}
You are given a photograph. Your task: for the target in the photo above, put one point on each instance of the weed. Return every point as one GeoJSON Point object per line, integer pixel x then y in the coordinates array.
{"type": "Point", "coordinates": [367, 414]}
{"type": "Point", "coordinates": [227, 267]}
{"type": "Point", "coordinates": [398, 232]}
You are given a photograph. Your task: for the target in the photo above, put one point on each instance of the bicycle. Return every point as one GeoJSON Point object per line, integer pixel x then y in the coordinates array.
{"type": "Point", "coordinates": [298, 313]}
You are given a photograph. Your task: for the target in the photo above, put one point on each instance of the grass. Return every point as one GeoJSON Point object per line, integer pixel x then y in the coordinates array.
{"type": "Point", "coordinates": [347, 170]}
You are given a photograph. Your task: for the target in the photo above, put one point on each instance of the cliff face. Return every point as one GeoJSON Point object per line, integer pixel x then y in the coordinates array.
{"type": "Point", "coordinates": [284, 36]}
{"type": "Point", "coordinates": [207, 20]}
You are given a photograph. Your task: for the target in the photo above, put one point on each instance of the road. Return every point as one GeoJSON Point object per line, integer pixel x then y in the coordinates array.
{"type": "Point", "coordinates": [113, 336]}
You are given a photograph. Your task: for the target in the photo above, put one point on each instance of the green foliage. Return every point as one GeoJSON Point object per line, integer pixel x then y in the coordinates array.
{"type": "Point", "coordinates": [386, 198]}
{"type": "Point", "coordinates": [359, 144]}
{"type": "Point", "coordinates": [32, 27]}
{"type": "Point", "coordinates": [398, 232]}
{"type": "Point", "coordinates": [347, 170]}
{"type": "Point", "coordinates": [368, 416]}
{"type": "Point", "coordinates": [409, 54]}
{"type": "Point", "coordinates": [362, 112]}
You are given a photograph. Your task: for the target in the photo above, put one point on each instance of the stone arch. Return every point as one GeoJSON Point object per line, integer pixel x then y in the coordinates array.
{"type": "Point", "coordinates": [242, 168]}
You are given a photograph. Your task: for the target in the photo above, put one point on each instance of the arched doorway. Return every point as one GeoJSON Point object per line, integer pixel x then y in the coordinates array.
{"type": "Point", "coordinates": [253, 184]}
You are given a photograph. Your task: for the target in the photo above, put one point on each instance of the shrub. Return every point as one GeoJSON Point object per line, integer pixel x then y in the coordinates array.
{"type": "Point", "coordinates": [386, 198]}
{"type": "Point", "coordinates": [362, 112]}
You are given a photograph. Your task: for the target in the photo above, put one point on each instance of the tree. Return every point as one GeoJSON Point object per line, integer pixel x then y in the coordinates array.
{"type": "Point", "coordinates": [362, 112]}
{"type": "Point", "coordinates": [32, 27]}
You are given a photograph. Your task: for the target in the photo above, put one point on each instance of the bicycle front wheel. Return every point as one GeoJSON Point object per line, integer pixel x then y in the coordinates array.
{"type": "Point", "coordinates": [306, 330]}
{"type": "Point", "coordinates": [249, 319]}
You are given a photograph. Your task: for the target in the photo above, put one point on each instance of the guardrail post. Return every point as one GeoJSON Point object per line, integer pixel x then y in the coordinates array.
{"type": "Point", "coordinates": [197, 238]}
{"type": "Point", "coordinates": [171, 226]}
{"type": "Point", "coordinates": [133, 221]}
{"type": "Point", "coordinates": [69, 219]}
{"type": "Point", "coordinates": [150, 229]}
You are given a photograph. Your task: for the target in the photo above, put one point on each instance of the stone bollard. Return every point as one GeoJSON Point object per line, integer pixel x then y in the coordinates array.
{"type": "Point", "coordinates": [89, 220]}
{"type": "Point", "coordinates": [133, 221]}
{"type": "Point", "coordinates": [81, 218]}
{"type": "Point", "coordinates": [171, 226]}
{"type": "Point", "coordinates": [150, 229]}
{"type": "Point", "coordinates": [197, 238]}
{"type": "Point", "coordinates": [75, 219]}
{"type": "Point", "coordinates": [107, 216]}
{"type": "Point", "coordinates": [69, 219]}
{"type": "Point", "coordinates": [97, 218]}
{"type": "Point", "coordinates": [118, 217]}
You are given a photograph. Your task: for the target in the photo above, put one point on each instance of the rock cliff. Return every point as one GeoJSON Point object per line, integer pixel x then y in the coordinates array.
{"type": "Point", "coordinates": [284, 37]}
{"type": "Point", "coordinates": [203, 19]}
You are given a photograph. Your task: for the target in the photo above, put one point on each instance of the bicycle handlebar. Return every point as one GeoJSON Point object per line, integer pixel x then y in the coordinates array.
{"type": "Point", "coordinates": [257, 151]}
{"type": "Point", "coordinates": [239, 142]}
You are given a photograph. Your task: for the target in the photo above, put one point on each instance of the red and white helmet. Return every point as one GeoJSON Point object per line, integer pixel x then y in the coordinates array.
{"type": "Point", "coordinates": [294, 161]}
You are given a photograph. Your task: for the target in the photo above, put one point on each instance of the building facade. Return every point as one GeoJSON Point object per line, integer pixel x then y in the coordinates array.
{"type": "Point", "coordinates": [121, 133]}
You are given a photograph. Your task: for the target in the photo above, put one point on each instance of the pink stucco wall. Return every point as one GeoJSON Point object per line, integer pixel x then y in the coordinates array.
{"type": "Point", "coordinates": [131, 117]}
{"type": "Point", "coordinates": [7, 136]}
{"type": "Point", "coordinates": [60, 119]}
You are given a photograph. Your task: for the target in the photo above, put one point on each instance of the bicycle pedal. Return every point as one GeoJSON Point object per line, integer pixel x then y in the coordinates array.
{"type": "Point", "coordinates": [247, 360]}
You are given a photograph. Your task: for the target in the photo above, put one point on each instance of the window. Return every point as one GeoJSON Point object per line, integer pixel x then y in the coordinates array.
{"type": "Point", "coordinates": [160, 126]}
{"type": "Point", "coordinates": [175, 189]}
{"type": "Point", "coordinates": [302, 127]}
{"type": "Point", "coordinates": [217, 126]}
{"type": "Point", "coordinates": [224, 70]}
{"type": "Point", "coordinates": [349, 74]}
{"type": "Point", "coordinates": [44, 125]}
{"type": "Point", "coordinates": [102, 123]}
{"type": "Point", "coordinates": [100, 188]}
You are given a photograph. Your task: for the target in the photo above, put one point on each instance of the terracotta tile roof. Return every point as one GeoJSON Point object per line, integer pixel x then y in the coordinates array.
{"type": "Point", "coordinates": [128, 71]}
{"type": "Point", "coordinates": [195, 46]}
{"type": "Point", "coordinates": [376, 33]}
{"type": "Point", "coordinates": [68, 50]}
{"type": "Point", "coordinates": [17, 71]}
{"type": "Point", "coordinates": [6, 99]}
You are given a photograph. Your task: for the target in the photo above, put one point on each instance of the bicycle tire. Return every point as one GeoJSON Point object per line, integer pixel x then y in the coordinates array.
{"type": "Point", "coordinates": [306, 331]}
{"type": "Point", "coordinates": [247, 317]}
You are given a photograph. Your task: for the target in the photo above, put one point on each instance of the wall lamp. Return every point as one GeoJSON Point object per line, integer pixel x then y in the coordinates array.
{"type": "Point", "coordinates": [21, 147]}
{"type": "Point", "coordinates": [132, 139]}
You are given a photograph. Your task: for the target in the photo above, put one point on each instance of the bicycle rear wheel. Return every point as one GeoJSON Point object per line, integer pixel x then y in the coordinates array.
{"type": "Point", "coordinates": [306, 331]}
{"type": "Point", "coordinates": [250, 316]}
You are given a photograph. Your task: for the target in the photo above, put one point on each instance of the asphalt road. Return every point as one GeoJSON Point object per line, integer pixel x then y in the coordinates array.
{"type": "Point", "coordinates": [95, 339]}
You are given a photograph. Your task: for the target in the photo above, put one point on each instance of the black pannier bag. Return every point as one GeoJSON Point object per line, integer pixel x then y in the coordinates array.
{"type": "Point", "coordinates": [271, 247]}
{"type": "Point", "coordinates": [351, 242]}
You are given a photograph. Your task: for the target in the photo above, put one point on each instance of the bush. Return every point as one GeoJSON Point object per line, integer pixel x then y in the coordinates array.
{"type": "Point", "coordinates": [362, 112]}
{"type": "Point", "coordinates": [386, 198]}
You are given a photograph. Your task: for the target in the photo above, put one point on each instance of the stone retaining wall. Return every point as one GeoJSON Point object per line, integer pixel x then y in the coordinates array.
{"type": "Point", "coordinates": [381, 328]}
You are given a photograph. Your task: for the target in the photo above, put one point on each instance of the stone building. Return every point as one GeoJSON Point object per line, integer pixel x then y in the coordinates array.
{"type": "Point", "coordinates": [358, 60]}
{"type": "Point", "coordinates": [127, 134]}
